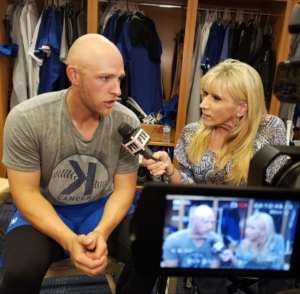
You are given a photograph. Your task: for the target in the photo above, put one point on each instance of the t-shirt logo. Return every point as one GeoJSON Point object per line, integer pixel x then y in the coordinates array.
{"type": "Point", "coordinates": [193, 260]}
{"type": "Point", "coordinates": [78, 179]}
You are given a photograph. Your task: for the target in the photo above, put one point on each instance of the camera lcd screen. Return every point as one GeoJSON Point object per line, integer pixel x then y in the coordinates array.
{"type": "Point", "coordinates": [232, 232]}
{"type": "Point", "coordinates": [216, 231]}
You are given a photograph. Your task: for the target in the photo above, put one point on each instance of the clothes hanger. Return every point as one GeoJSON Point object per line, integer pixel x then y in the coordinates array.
{"type": "Point", "coordinates": [256, 17]}
{"type": "Point", "coordinates": [269, 25]}
{"type": "Point", "coordinates": [219, 15]}
{"type": "Point", "coordinates": [134, 7]}
{"type": "Point", "coordinates": [228, 17]}
{"type": "Point", "coordinates": [222, 20]}
{"type": "Point", "coordinates": [207, 14]}
{"type": "Point", "coordinates": [259, 17]}
{"type": "Point", "coordinates": [241, 16]}
{"type": "Point", "coordinates": [137, 7]}
{"type": "Point", "coordinates": [214, 14]}
{"type": "Point", "coordinates": [237, 17]}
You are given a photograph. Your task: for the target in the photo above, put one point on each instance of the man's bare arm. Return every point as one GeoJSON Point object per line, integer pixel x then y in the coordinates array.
{"type": "Point", "coordinates": [118, 204]}
{"type": "Point", "coordinates": [35, 208]}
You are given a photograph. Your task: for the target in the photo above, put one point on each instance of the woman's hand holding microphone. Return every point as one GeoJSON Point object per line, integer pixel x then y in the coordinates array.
{"type": "Point", "coordinates": [160, 164]}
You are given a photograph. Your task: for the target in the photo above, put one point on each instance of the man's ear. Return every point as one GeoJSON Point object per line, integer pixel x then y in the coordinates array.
{"type": "Point", "coordinates": [243, 109]}
{"type": "Point", "coordinates": [72, 74]}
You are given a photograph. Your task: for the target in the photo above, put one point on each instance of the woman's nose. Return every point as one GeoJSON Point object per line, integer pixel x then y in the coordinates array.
{"type": "Point", "coordinates": [203, 103]}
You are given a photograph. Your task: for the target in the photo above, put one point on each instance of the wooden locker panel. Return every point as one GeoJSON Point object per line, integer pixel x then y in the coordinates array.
{"type": "Point", "coordinates": [5, 85]}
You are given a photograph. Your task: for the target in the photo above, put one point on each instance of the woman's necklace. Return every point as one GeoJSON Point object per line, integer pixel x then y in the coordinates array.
{"type": "Point", "coordinates": [217, 156]}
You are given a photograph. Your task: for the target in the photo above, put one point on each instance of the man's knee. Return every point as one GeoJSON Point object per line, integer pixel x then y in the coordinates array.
{"type": "Point", "coordinates": [21, 278]}
{"type": "Point", "coordinates": [27, 255]}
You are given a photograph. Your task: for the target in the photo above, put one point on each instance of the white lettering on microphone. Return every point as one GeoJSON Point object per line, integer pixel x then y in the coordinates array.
{"type": "Point", "coordinates": [141, 138]}
{"type": "Point", "coordinates": [137, 142]}
{"type": "Point", "coordinates": [131, 147]}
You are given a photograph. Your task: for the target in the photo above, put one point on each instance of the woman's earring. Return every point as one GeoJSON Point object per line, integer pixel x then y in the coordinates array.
{"type": "Point", "coordinates": [238, 121]}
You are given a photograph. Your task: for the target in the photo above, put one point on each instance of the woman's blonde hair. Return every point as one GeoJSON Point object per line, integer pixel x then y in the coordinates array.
{"type": "Point", "coordinates": [244, 85]}
{"type": "Point", "coordinates": [266, 223]}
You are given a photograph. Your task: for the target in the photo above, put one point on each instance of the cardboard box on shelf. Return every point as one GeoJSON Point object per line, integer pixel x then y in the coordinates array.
{"type": "Point", "coordinates": [156, 131]}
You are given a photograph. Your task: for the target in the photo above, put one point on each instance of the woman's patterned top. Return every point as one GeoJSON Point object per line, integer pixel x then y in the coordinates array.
{"type": "Point", "coordinates": [271, 131]}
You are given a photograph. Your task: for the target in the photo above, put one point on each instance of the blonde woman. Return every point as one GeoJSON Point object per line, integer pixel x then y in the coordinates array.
{"type": "Point", "coordinates": [217, 150]}
{"type": "Point", "coordinates": [233, 126]}
{"type": "Point", "coordinates": [261, 248]}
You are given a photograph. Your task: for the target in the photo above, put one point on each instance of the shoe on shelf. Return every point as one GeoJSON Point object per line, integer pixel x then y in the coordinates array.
{"type": "Point", "coordinates": [142, 174]}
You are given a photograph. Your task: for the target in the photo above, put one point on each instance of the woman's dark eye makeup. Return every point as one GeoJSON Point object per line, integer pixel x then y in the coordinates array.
{"type": "Point", "coordinates": [216, 97]}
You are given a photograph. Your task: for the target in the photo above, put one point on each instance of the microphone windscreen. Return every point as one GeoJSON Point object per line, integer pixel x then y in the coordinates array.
{"type": "Point", "coordinates": [125, 130]}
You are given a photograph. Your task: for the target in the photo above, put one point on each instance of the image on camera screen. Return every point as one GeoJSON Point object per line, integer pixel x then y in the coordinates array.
{"type": "Point", "coordinates": [228, 233]}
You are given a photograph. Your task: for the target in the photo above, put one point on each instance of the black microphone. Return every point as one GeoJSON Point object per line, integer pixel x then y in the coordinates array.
{"type": "Point", "coordinates": [135, 140]}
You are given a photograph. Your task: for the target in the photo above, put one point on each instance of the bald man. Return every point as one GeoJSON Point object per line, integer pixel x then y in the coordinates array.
{"type": "Point", "coordinates": [72, 183]}
{"type": "Point", "coordinates": [193, 247]}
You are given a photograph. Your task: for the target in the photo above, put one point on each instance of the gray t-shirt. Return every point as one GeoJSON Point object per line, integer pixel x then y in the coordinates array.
{"type": "Point", "coordinates": [180, 246]}
{"type": "Point", "coordinates": [39, 134]}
